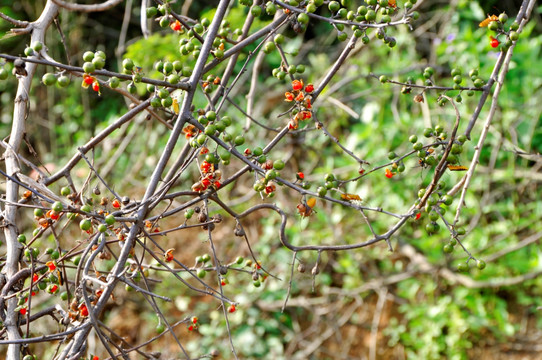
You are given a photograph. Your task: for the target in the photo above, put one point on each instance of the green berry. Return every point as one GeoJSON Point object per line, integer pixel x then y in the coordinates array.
{"type": "Point", "coordinates": [88, 56]}
{"type": "Point", "coordinates": [48, 79]}
{"type": "Point", "coordinates": [480, 264]}
{"type": "Point", "coordinates": [85, 224]}
{"type": "Point", "coordinates": [114, 82]}
{"type": "Point", "coordinates": [371, 15]}
{"type": "Point", "coordinates": [88, 67]}
{"type": "Point", "coordinates": [102, 228]}
{"type": "Point", "coordinates": [462, 267]}
{"type": "Point", "coordinates": [110, 219]}
{"type": "Point", "coordinates": [57, 206]}
{"type": "Point", "coordinates": [3, 74]}
{"type": "Point", "coordinates": [128, 64]}
{"type": "Point", "coordinates": [503, 18]}
{"type": "Point", "coordinates": [21, 238]}
{"type": "Point", "coordinates": [303, 18]}
{"type": "Point", "coordinates": [239, 140]}
{"type": "Point", "coordinates": [514, 35]}
{"type": "Point", "coordinates": [334, 6]}
{"type": "Point", "coordinates": [448, 249]}
{"type": "Point", "coordinates": [201, 273]}
{"type": "Point", "coordinates": [63, 81]}
{"type": "Point", "coordinates": [98, 62]}
{"type": "Point", "coordinates": [151, 11]}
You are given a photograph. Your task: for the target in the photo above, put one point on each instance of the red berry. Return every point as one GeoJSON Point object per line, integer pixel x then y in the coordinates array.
{"type": "Point", "coordinates": [35, 278]}
{"type": "Point", "coordinates": [300, 175]}
{"type": "Point", "coordinates": [309, 88]}
{"type": "Point", "coordinates": [389, 174]}
{"type": "Point", "coordinates": [494, 42]}
{"type": "Point", "coordinates": [116, 204]}
{"type": "Point", "coordinates": [87, 79]}
{"type": "Point", "coordinates": [194, 319]}
{"type": "Point", "coordinates": [191, 327]}
{"type": "Point", "coordinates": [83, 310]}
{"type": "Point", "coordinates": [176, 26]}
{"type": "Point", "coordinates": [23, 311]}
{"type": "Point", "coordinates": [96, 86]}
{"type": "Point", "coordinates": [289, 96]}
{"type": "Point", "coordinates": [297, 85]}
{"type": "Point", "coordinates": [51, 265]}
{"type": "Point", "coordinates": [418, 216]}
{"type": "Point", "coordinates": [231, 308]}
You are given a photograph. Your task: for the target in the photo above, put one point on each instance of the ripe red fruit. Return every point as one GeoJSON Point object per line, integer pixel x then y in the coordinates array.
{"type": "Point", "coordinates": [87, 79]}
{"type": "Point", "coordinates": [168, 256]}
{"type": "Point", "coordinates": [389, 174]}
{"type": "Point", "coordinates": [231, 309]}
{"type": "Point", "coordinates": [176, 26]}
{"type": "Point", "coordinates": [309, 88]}
{"type": "Point", "coordinates": [289, 96]}
{"type": "Point", "coordinates": [300, 175]}
{"type": "Point", "coordinates": [194, 319]}
{"type": "Point", "coordinates": [191, 327]}
{"type": "Point", "coordinates": [116, 204]}
{"type": "Point", "coordinates": [23, 311]}
{"type": "Point", "coordinates": [54, 215]}
{"type": "Point", "coordinates": [51, 265]}
{"type": "Point", "coordinates": [418, 216]}
{"type": "Point", "coordinates": [297, 85]}
{"type": "Point", "coordinates": [494, 42]}
{"type": "Point", "coordinates": [83, 310]}
{"type": "Point", "coordinates": [35, 278]}
{"type": "Point", "coordinates": [96, 86]}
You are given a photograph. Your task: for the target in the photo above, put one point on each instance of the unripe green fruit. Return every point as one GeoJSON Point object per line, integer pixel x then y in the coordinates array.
{"type": "Point", "coordinates": [164, 22]}
{"type": "Point", "coordinates": [462, 267]}
{"type": "Point", "coordinates": [278, 165]}
{"type": "Point", "coordinates": [383, 79]}
{"type": "Point", "coordinates": [480, 264]}
{"type": "Point", "coordinates": [457, 149]}
{"type": "Point", "coordinates": [279, 39]}
{"type": "Point", "coordinates": [342, 36]}
{"type": "Point", "coordinates": [413, 139]}
{"type": "Point", "coordinates": [428, 132]}
{"type": "Point", "coordinates": [514, 26]}
{"type": "Point", "coordinates": [371, 15]}
{"type": "Point", "coordinates": [155, 102]}
{"type": "Point", "coordinates": [239, 140]}
{"type": "Point", "coordinates": [151, 11]}
{"type": "Point", "coordinates": [21, 238]}
{"type": "Point", "coordinates": [448, 249]}
{"type": "Point", "coordinates": [98, 62]}
{"type": "Point", "coordinates": [132, 89]}
{"type": "Point", "coordinates": [128, 64]}
{"type": "Point", "coordinates": [322, 191]}
{"type": "Point", "coordinates": [88, 67]}
{"type": "Point", "coordinates": [48, 79]}
{"type": "Point", "coordinates": [29, 51]}
{"type": "Point", "coordinates": [503, 18]}
{"type": "Point", "coordinates": [303, 18]}
{"type": "Point", "coordinates": [114, 82]}
{"type": "Point", "coordinates": [57, 206]}
{"type": "Point", "coordinates": [102, 228]}
{"type": "Point", "coordinates": [417, 146]}
{"type": "Point", "coordinates": [514, 36]}
{"type": "Point", "coordinates": [3, 74]}
{"type": "Point", "coordinates": [479, 83]}
{"type": "Point", "coordinates": [88, 56]}
{"type": "Point", "coordinates": [270, 8]}
{"type": "Point", "coordinates": [167, 102]}
{"type": "Point", "coordinates": [493, 26]}
{"type": "Point", "coordinates": [63, 81]}
{"type": "Point", "coordinates": [447, 200]}
{"type": "Point", "coordinates": [334, 6]}
{"type": "Point", "coordinates": [269, 47]}
{"type": "Point", "coordinates": [85, 224]}
{"type": "Point", "coordinates": [110, 219]}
